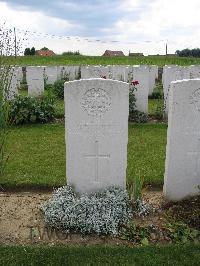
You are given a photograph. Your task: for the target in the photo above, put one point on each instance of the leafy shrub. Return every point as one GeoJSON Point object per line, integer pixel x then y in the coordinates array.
{"type": "Point", "coordinates": [138, 234]}
{"type": "Point", "coordinates": [30, 109]}
{"type": "Point", "coordinates": [156, 95]}
{"type": "Point", "coordinates": [179, 232]}
{"type": "Point", "coordinates": [157, 92]}
{"type": "Point", "coordinates": [100, 213]}
{"type": "Point", "coordinates": [59, 88]}
{"type": "Point", "coordinates": [138, 117]}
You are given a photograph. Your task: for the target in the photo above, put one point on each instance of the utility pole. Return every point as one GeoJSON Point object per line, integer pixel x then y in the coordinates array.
{"type": "Point", "coordinates": [166, 49]}
{"type": "Point", "coordinates": [15, 43]}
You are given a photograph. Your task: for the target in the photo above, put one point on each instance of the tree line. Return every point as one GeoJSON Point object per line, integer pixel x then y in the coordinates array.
{"type": "Point", "coordinates": [189, 52]}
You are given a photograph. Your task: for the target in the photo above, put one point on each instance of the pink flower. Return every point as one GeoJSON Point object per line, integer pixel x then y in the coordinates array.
{"type": "Point", "coordinates": [135, 82]}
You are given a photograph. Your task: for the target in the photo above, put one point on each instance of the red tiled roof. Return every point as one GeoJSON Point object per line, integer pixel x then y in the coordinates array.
{"type": "Point", "coordinates": [45, 53]}
{"type": "Point", "coordinates": [113, 53]}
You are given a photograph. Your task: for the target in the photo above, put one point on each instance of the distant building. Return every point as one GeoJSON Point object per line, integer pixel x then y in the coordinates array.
{"type": "Point", "coordinates": [136, 54]}
{"type": "Point", "coordinates": [113, 53]}
{"type": "Point", "coordinates": [44, 53]}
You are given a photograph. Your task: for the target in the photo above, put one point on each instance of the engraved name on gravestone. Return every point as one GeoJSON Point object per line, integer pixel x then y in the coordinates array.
{"type": "Point", "coordinates": [182, 166]}
{"type": "Point", "coordinates": [96, 122]}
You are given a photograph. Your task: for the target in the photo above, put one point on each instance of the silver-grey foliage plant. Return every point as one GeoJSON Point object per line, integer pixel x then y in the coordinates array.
{"type": "Point", "coordinates": [100, 213]}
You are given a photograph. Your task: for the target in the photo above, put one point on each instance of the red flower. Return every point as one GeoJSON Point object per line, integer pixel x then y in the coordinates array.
{"type": "Point", "coordinates": [103, 77]}
{"type": "Point", "coordinates": [134, 82]}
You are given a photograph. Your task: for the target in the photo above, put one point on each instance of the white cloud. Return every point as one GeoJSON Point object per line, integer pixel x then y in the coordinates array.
{"type": "Point", "coordinates": [176, 21]}
{"type": "Point", "coordinates": [151, 20]}
{"type": "Point", "coordinates": [129, 5]}
{"type": "Point", "coordinates": [33, 20]}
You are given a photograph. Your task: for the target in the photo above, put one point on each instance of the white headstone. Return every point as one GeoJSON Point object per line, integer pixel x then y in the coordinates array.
{"type": "Point", "coordinates": [35, 80]}
{"type": "Point", "coordinates": [118, 72]}
{"type": "Point", "coordinates": [95, 72]}
{"type": "Point", "coordinates": [194, 71]}
{"type": "Point", "coordinates": [71, 72]}
{"type": "Point", "coordinates": [153, 75]}
{"type": "Point", "coordinates": [141, 73]}
{"type": "Point", "coordinates": [182, 166]}
{"type": "Point", "coordinates": [50, 74]}
{"type": "Point", "coordinates": [172, 73]}
{"type": "Point", "coordinates": [96, 121]}
{"type": "Point", "coordinates": [14, 82]}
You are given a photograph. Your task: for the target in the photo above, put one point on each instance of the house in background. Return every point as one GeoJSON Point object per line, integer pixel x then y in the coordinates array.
{"type": "Point", "coordinates": [135, 54]}
{"type": "Point", "coordinates": [113, 53]}
{"type": "Point", "coordinates": [44, 53]}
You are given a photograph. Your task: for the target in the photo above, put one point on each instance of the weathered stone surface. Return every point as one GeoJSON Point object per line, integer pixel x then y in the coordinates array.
{"type": "Point", "coordinates": [153, 75]}
{"type": "Point", "coordinates": [182, 166]}
{"type": "Point", "coordinates": [35, 80]}
{"type": "Point", "coordinates": [14, 80]}
{"type": "Point", "coordinates": [51, 74]}
{"type": "Point", "coordinates": [96, 121]}
{"type": "Point", "coordinates": [172, 73]}
{"type": "Point", "coordinates": [96, 72]}
{"type": "Point", "coordinates": [141, 73]}
{"type": "Point", "coordinates": [71, 72]}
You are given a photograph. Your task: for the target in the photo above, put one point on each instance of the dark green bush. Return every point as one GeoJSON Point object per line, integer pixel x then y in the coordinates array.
{"type": "Point", "coordinates": [157, 92]}
{"type": "Point", "coordinates": [156, 95]}
{"type": "Point", "coordinates": [31, 110]}
{"type": "Point", "coordinates": [59, 88]}
{"type": "Point", "coordinates": [138, 117]}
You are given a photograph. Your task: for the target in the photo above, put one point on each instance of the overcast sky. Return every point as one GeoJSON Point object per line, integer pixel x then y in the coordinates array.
{"type": "Point", "coordinates": [138, 25]}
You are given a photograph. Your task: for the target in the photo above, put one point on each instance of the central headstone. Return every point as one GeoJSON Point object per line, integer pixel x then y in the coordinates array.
{"type": "Point", "coordinates": [96, 121]}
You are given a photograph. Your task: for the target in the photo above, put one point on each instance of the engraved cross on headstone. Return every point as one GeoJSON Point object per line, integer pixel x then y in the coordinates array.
{"type": "Point", "coordinates": [96, 156]}
{"type": "Point", "coordinates": [196, 155]}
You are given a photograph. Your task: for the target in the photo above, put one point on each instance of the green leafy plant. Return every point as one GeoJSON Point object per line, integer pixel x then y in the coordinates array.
{"type": "Point", "coordinates": [32, 110]}
{"type": "Point", "coordinates": [136, 233]}
{"type": "Point", "coordinates": [59, 88]}
{"type": "Point", "coordinates": [8, 48]}
{"type": "Point", "coordinates": [179, 232]}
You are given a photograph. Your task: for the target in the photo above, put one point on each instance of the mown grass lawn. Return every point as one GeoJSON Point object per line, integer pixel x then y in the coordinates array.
{"type": "Point", "coordinates": [154, 255]}
{"type": "Point", "coordinates": [102, 60]}
{"type": "Point", "coordinates": [37, 154]}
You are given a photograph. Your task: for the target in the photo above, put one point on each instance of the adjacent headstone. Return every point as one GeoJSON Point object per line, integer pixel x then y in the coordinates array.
{"type": "Point", "coordinates": [96, 122]}
{"type": "Point", "coordinates": [51, 74]}
{"type": "Point", "coordinates": [172, 73]}
{"type": "Point", "coordinates": [35, 80]}
{"type": "Point", "coordinates": [182, 166]}
{"type": "Point", "coordinates": [153, 75]}
{"type": "Point", "coordinates": [118, 72]}
{"type": "Point", "coordinates": [194, 71]}
{"type": "Point", "coordinates": [95, 72]}
{"type": "Point", "coordinates": [141, 74]}
{"type": "Point", "coordinates": [14, 80]}
{"type": "Point", "coordinates": [71, 72]}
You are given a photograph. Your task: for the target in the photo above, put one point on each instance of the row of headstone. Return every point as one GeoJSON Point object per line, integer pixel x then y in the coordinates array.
{"type": "Point", "coordinates": [96, 116]}
{"type": "Point", "coordinates": [173, 73]}
{"type": "Point", "coordinates": [37, 76]}
{"type": "Point", "coordinates": [146, 75]}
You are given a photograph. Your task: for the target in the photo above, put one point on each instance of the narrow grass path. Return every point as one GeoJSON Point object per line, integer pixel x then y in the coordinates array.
{"type": "Point", "coordinates": [151, 256]}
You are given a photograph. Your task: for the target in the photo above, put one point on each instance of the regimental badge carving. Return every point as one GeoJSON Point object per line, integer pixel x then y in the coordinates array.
{"type": "Point", "coordinates": [96, 102]}
{"type": "Point", "coordinates": [195, 99]}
